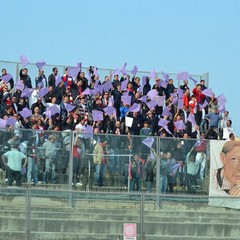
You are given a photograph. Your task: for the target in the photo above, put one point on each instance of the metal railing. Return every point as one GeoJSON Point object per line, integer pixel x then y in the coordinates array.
{"type": "Point", "coordinates": [115, 172]}
{"type": "Point", "coordinates": [14, 68]}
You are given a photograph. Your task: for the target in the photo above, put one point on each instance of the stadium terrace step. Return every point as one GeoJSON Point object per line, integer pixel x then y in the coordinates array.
{"type": "Point", "coordinates": [52, 218]}
{"type": "Point", "coordinates": [76, 236]}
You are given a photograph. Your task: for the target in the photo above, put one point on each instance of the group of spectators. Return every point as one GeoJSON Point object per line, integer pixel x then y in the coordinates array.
{"type": "Point", "coordinates": [154, 107]}
{"type": "Point", "coordinates": [104, 105]}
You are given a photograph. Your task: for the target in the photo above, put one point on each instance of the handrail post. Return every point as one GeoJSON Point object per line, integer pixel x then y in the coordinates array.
{"type": "Point", "coordinates": [28, 214]}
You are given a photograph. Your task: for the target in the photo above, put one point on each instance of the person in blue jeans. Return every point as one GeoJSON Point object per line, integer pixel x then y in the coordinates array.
{"type": "Point", "coordinates": [136, 173]}
{"type": "Point", "coordinates": [149, 173]}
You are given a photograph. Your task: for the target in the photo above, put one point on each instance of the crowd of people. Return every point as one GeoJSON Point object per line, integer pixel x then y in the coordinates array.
{"type": "Point", "coordinates": [119, 104]}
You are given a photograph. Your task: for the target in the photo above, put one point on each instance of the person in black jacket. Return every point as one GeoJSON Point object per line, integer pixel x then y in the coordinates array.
{"type": "Point", "coordinates": [11, 82]}
{"type": "Point", "coordinates": [170, 88]}
{"type": "Point", "coordinates": [25, 77]}
{"type": "Point", "coordinates": [117, 93]}
{"type": "Point", "coordinates": [149, 167]}
{"type": "Point", "coordinates": [52, 77]}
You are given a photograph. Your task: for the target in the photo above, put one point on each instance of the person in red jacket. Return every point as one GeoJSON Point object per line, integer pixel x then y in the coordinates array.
{"type": "Point", "coordinates": [186, 98]}
{"type": "Point", "coordinates": [197, 91]}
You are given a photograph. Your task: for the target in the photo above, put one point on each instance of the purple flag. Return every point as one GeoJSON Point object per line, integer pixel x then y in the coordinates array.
{"type": "Point", "coordinates": [175, 168]}
{"type": "Point", "coordinates": [135, 107]}
{"type": "Point", "coordinates": [163, 83]}
{"type": "Point", "coordinates": [69, 107]}
{"type": "Point", "coordinates": [19, 85]}
{"type": "Point", "coordinates": [73, 71]}
{"type": "Point", "coordinates": [11, 121]}
{"type": "Point", "coordinates": [52, 110]}
{"type": "Point", "coordinates": [166, 76]}
{"type": "Point", "coordinates": [126, 99]}
{"type": "Point", "coordinates": [175, 98]}
{"type": "Point", "coordinates": [96, 82]}
{"type": "Point", "coordinates": [24, 61]}
{"type": "Point", "coordinates": [25, 112]}
{"type": "Point", "coordinates": [95, 71]}
{"type": "Point", "coordinates": [208, 92]}
{"type": "Point", "coordinates": [182, 76]}
{"type": "Point", "coordinates": [87, 91]}
{"type": "Point", "coordinates": [116, 72]}
{"type": "Point", "coordinates": [152, 94]}
{"type": "Point", "coordinates": [180, 103]}
{"type": "Point", "coordinates": [42, 92]}
{"type": "Point", "coordinates": [152, 155]}
{"type": "Point", "coordinates": [26, 92]}
{"type": "Point", "coordinates": [151, 104]}
{"type": "Point", "coordinates": [88, 132]}
{"type": "Point", "coordinates": [191, 119]}
{"type": "Point", "coordinates": [98, 89]}
{"type": "Point", "coordinates": [3, 123]}
{"type": "Point", "coordinates": [110, 110]}
{"type": "Point", "coordinates": [79, 65]}
{"type": "Point", "coordinates": [40, 84]}
{"type": "Point", "coordinates": [58, 79]}
{"type": "Point", "coordinates": [6, 77]}
{"type": "Point", "coordinates": [148, 141]}
{"type": "Point", "coordinates": [143, 98]}
{"type": "Point", "coordinates": [134, 71]}
{"type": "Point", "coordinates": [88, 76]}
{"type": "Point", "coordinates": [191, 78]}
{"type": "Point", "coordinates": [152, 74]}
{"type": "Point", "coordinates": [95, 91]}
{"type": "Point", "coordinates": [110, 102]}
{"type": "Point", "coordinates": [221, 109]}
{"type": "Point", "coordinates": [163, 122]}
{"type": "Point", "coordinates": [160, 100]}
{"type": "Point", "coordinates": [180, 92]}
{"type": "Point", "coordinates": [107, 86]}
{"type": "Point", "coordinates": [140, 89]}
{"type": "Point", "coordinates": [168, 131]}
{"type": "Point", "coordinates": [166, 112]}
{"type": "Point", "coordinates": [144, 80]}
{"type": "Point", "coordinates": [221, 99]}
{"type": "Point", "coordinates": [202, 106]}
{"type": "Point", "coordinates": [40, 64]}
{"type": "Point", "coordinates": [198, 143]}
{"type": "Point", "coordinates": [97, 115]}
{"type": "Point", "coordinates": [179, 125]}
{"type": "Point", "coordinates": [123, 70]}
{"type": "Point", "coordinates": [48, 114]}
{"type": "Point", "coordinates": [124, 85]}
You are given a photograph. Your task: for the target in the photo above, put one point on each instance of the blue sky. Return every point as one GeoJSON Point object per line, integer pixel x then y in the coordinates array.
{"type": "Point", "coordinates": [174, 35]}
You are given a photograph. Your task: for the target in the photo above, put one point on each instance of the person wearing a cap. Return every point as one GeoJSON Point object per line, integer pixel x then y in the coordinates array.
{"type": "Point", "coordinates": [69, 94]}
{"type": "Point", "coordinates": [50, 149]}
{"type": "Point", "coordinates": [13, 160]}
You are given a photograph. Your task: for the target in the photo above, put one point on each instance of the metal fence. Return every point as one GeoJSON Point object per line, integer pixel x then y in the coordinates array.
{"type": "Point", "coordinates": [124, 163]}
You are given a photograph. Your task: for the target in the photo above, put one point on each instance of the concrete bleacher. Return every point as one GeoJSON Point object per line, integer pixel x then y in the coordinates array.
{"type": "Point", "coordinates": [98, 217]}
